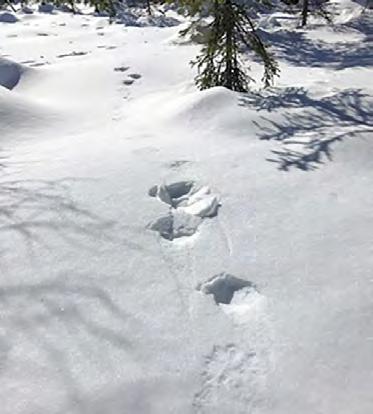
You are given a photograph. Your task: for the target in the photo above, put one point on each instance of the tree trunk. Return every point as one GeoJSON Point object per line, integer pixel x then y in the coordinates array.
{"type": "Point", "coordinates": [10, 5]}
{"type": "Point", "coordinates": [227, 18]}
{"type": "Point", "coordinates": [304, 12]}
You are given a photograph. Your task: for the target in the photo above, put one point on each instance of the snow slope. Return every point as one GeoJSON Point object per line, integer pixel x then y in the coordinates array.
{"type": "Point", "coordinates": [264, 306]}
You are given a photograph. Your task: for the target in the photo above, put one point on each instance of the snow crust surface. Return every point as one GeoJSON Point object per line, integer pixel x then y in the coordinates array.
{"type": "Point", "coordinates": [100, 314]}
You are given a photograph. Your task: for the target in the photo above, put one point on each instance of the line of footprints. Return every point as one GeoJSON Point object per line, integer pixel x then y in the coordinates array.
{"type": "Point", "coordinates": [131, 78]}
{"type": "Point", "coordinates": [188, 205]}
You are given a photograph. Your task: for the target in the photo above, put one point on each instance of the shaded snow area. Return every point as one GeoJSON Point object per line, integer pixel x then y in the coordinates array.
{"type": "Point", "coordinates": [166, 250]}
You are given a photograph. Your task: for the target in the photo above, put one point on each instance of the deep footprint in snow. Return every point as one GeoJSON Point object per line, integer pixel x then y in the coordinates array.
{"type": "Point", "coordinates": [230, 376]}
{"type": "Point", "coordinates": [134, 75]}
{"type": "Point", "coordinates": [188, 197]}
{"type": "Point", "coordinates": [128, 82]}
{"type": "Point", "coordinates": [171, 193]}
{"type": "Point", "coordinates": [121, 68]}
{"type": "Point", "coordinates": [189, 204]}
{"type": "Point", "coordinates": [175, 225]}
{"type": "Point", "coordinates": [223, 287]}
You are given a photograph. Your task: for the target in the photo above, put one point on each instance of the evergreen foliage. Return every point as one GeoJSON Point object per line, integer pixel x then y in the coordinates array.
{"type": "Point", "coordinates": [316, 7]}
{"type": "Point", "coordinates": [228, 33]}
{"type": "Point", "coordinates": [219, 63]}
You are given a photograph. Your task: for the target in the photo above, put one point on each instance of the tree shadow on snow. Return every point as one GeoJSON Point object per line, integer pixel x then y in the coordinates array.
{"type": "Point", "coordinates": [297, 49]}
{"type": "Point", "coordinates": [35, 210]}
{"type": "Point", "coordinates": [59, 318]}
{"type": "Point", "coordinates": [308, 127]}
{"type": "Point", "coordinates": [66, 316]}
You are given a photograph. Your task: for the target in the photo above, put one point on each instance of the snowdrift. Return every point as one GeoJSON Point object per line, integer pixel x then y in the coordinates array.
{"type": "Point", "coordinates": [18, 113]}
{"type": "Point", "coordinates": [217, 109]}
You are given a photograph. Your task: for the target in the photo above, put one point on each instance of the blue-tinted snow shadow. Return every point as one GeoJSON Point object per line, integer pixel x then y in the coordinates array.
{"type": "Point", "coordinates": [34, 209]}
{"type": "Point", "coordinates": [312, 125]}
{"type": "Point", "coordinates": [56, 317]}
{"type": "Point", "coordinates": [295, 48]}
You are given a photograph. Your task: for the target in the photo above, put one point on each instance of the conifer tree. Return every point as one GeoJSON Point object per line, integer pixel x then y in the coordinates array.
{"type": "Point", "coordinates": [315, 7]}
{"type": "Point", "coordinates": [219, 63]}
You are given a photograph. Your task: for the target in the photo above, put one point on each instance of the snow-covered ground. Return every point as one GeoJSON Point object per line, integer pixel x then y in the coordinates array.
{"type": "Point", "coordinates": [165, 250]}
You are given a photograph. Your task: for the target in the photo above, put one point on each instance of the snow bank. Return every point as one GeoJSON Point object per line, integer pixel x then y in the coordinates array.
{"type": "Point", "coordinates": [217, 109]}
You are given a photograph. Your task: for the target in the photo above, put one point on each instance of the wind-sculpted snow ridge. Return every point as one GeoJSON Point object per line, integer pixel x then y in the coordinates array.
{"type": "Point", "coordinates": [189, 205]}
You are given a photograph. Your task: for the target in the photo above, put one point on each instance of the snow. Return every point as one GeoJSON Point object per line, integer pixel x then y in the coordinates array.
{"type": "Point", "coordinates": [98, 313]}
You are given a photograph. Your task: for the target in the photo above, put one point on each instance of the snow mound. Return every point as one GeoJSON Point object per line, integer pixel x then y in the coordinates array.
{"type": "Point", "coordinates": [18, 113]}
{"type": "Point", "coordinates": [7, 17]}
{"type": "Point", "coordinates": [216, 109]}
{"type": "Point", "coordinates": [203, 105]}
{"type": "Point", "coordinates": [10, 73]}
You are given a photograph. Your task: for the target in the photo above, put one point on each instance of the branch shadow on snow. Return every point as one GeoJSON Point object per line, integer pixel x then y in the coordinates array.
{"type": "Point", "coordinates": [58, 317]}
{"type": "Point", "coordinates": [309, 127]}
{"type": "Point", "coordinates": [34, 210]}
{"type": "Point", "coordinates": [297, 49]}
{"type": "Point", "coordinates": [30, 207]}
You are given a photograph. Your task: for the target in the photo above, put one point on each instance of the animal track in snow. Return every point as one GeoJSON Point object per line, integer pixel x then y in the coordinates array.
{"type": "Point", "coordinates": [134, 75]}
{"type": "Point", "coordinates": [177, 164]}
{"type": "Point", "coordinates": [229, 378]}
{"type": "Point", "coordinates": [176, 225]}
{"type": "Point", "coordinates": [38, 64]}
{"type": "Point", "coordinates": [189, 204]}
{"type": "Point", "coordinates": [121, 68]}
{"type": "Point", "coordinates": [188, 197]}
{"type": "Point", "coordinates": [72, 54]}
{"type": "Point", "coordinates": [223, 287]}
{"type": "Point", "coordinates": [237, 298]}
{"type": "Point", "coordinates": [128, 82]}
